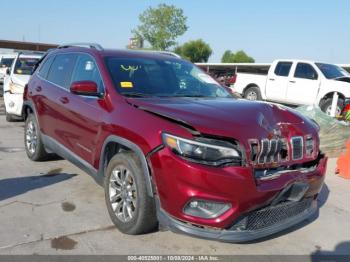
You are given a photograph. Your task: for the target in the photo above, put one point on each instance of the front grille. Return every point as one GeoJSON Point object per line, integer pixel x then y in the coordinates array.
{"type": "Point", "coordinates": [271, 215]}
{"type": "Point", "coordinates": [297, 148]}
{"type": "Point", "coordinates": [276, 150]}
{"type": "Point", "coordinates": [269, 151]}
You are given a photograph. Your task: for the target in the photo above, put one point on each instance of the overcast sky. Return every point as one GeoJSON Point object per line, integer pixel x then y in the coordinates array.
{"type": "Point", "coordinates": [266, 30]}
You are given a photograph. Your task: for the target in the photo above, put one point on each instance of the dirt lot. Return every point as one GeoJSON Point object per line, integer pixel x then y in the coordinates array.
{"type": "Point", "coordinates": [55, 208]}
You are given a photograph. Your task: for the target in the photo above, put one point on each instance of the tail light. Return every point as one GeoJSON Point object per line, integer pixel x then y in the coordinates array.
{"type": "Point", "coordinates": [233, 80]}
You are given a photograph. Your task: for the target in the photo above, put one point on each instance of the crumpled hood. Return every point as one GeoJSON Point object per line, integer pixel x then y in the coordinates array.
{"type": "Point", "coordinates": [227, 117]}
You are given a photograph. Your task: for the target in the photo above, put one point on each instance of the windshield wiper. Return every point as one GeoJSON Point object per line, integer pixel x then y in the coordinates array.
{"type": "Point", "coordinates": [189, 95]}
{"type": "Point", "coordinates": [135, 94]}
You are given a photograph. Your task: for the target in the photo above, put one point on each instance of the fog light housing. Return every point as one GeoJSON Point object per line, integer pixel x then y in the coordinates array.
{"type": "Point", "coordinates": [205, 208]}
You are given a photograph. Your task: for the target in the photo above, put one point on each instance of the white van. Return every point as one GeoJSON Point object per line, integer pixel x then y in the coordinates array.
{"type": "Point", "coordinates": [15, 80]}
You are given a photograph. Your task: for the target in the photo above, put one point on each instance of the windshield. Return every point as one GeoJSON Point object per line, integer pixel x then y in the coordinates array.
{"type": "Point", "coordinates": [141, 77]}
{"type": "Point", "coordinates": [332, 71]}
{"type": "Point", "coordinates": [6, 62]}
{"type": "Point", "coordinates": [25, 65]}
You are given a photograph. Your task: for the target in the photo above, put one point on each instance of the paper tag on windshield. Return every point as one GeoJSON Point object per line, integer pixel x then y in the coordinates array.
{"type": "Point", "coordinates": [206, 78]}
{"type": "Point", "coordinates": [126, 84]}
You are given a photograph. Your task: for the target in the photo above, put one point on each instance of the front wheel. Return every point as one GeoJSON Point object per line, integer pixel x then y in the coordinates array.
{"type": "Point", "coordinates": [252, 93]}
{"type": "Point", "coordinates": [131, 209]}
{"type": "Point", "coordinates": [327, 107]}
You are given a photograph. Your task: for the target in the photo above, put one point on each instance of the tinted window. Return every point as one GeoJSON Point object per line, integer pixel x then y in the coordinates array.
{"type": "Point", "coordinates": [158, 77]}
{"type": "Point", "coordinates": [44, 69]}
{"type": "Point", "coordinates": [86, 70]}
{"type": "Point", "coordinates": [61, 70]}
{"type": "Point", "coordinates": [332, 71]}
{"type": "Point", "coordinates": [305, 71]}
{"type": "Point", "coordinates": [25, 65]}
{"type": "Point", "coordinates": [283, 68]}
{"type": "Point", "coordinates": [6, 62]}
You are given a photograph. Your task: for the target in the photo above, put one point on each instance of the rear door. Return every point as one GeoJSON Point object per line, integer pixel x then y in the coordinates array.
{"type": "Point", "coordinates": [277, 81]}
{"type": "Point", "coordinates": [303, 85]}
{"type": "Point", "coordinates": [56, 118]}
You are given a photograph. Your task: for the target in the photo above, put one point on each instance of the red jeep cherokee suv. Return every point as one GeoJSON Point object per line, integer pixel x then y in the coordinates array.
{"type": "Point", "coordinates": [171, 146]}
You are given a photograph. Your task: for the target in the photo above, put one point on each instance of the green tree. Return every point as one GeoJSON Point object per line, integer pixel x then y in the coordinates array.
{"type": "Point", "coordinates": [196, 51]}
{"type": "Point", "coordinates": [227, 57]}
{"type": "Point", "coordinates": [238, 57]}
{"type": "Point", "coordinates": [161, 26]}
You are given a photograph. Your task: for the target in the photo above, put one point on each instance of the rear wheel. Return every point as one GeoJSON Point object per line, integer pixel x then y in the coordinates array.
{"type": "Point", "coordinates": [131, 209]}
{"type": "Point", "coordinates": [252, 93]}
{"type": "Point", "coordinates": [32, 140]}
{"type": "Point", "coordinates": [327, 106]}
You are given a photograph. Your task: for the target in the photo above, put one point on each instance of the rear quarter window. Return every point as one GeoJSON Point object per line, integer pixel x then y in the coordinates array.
{"type": "Point", "coordinates": [45, 67]}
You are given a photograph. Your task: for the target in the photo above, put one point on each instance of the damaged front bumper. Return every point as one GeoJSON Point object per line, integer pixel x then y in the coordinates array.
{"type": "Point", "coordinates": [258, 228]}
{"type": "Point", "coordinates": [291, 204]}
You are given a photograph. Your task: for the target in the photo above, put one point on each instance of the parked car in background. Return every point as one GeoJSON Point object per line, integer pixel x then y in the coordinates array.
{"type": "Point", "coordinates": [297, 82]}
{"type": "Point", "coordinates": [170, 145]}
{"type": "Point", "coordinates": [15, 80]}
{"type": "Point", "coordinates": [5, 63]}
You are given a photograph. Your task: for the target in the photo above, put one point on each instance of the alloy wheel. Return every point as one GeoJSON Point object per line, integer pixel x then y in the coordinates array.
{"type": "Point", "coordinates": [337, 111]}
{"type": "Point", "coordinates": [251, 95]}
{"type": "Point", "coordinates": [123, 193]}
{"type": "Point", "coordinates": [31, 137]}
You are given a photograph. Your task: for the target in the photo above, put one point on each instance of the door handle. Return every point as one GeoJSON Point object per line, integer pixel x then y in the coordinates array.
{"type": "Point", "coordinates": [64, 100]}
{"type": "Point", "coordinates": [38, 89]}
{"type": "Point", "coordinates": [292, 81]}
{"type": "Point", "coordinates": [272, 79]}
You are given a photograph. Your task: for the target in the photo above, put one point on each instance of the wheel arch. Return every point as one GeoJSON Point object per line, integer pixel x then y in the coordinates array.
{"type": "Point", "coordinates": [28, 108]}
{"type": "Point", "coordinates": [113, 145]}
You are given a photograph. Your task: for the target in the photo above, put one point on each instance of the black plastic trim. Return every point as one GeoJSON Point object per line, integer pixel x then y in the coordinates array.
{"type": "Point", "coordinates": [134, 148]}
{"type": "Point", "coordinates": [230, 235]}
{"type": "Point", "coordinates": [64, 152]}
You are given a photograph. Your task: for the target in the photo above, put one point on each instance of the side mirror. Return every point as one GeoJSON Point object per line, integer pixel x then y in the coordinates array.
{"type": "Point", "coordinates": [84, 88]}
{"type": "Point", "coordinates": [8, 71]}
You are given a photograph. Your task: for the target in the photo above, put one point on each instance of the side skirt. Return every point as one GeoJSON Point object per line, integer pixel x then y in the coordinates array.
{"type": "Point", "coordinates": [52, 145]}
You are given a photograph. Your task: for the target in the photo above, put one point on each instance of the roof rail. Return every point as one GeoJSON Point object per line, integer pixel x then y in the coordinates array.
{"type": "Point", "coordinates": [88, 45]}
{"type": "Point", "coordinates": [169, 53]}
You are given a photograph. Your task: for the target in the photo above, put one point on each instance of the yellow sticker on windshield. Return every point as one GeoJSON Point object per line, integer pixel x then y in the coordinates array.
{"type": "Point", "coordinates": [126, 84]}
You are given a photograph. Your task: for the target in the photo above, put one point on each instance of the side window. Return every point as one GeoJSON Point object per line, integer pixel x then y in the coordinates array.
{"type": "Point", "coordinates": [61, 70]}
{"type": "Point", "coordinates": [283, 68]}
{"type": "Point", "coordinates": [305, 71]}
{"type": "Point", "coordinates": [86, 70]}
{"type": "Point", "coordinates": [44, 69]}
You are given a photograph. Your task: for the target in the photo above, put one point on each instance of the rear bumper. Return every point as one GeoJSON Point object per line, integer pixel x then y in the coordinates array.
{"type": "Point", "coordinates": [230, 235]}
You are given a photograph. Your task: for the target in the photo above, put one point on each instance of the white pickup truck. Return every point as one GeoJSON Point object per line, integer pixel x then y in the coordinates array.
{"type": "Point", "coordinates": [297, 82]}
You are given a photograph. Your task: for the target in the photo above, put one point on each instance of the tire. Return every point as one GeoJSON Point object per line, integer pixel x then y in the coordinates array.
{"type": "Point", "coordinates": [32, 140]}
{"type": "Point", "coordinates": [327, 105]}
{"type": "Point", "coordinates": [252, 93]}
{"type": "Point", "coordinates": [138, 215]}
{"type": "Point", "coordinates": [9, 117]}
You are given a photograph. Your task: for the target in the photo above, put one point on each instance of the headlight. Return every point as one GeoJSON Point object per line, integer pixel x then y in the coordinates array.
{"type": "Point", "coordinates": [16, 88]}
{"type": "Point", "coordinates": [204, 151]}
